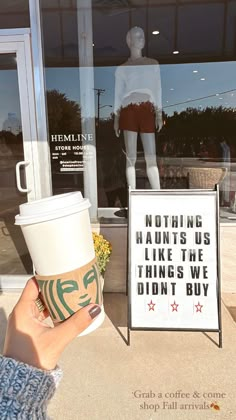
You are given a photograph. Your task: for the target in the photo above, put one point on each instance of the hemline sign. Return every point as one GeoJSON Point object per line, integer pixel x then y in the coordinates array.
{"type": "Point", "coordinates": [173, 260]}
{"type": "Point", "coordinates": [70, 152]}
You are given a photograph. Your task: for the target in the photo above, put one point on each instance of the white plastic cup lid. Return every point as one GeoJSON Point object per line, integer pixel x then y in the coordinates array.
{"type": "Point", "coordinates": [52, 207]}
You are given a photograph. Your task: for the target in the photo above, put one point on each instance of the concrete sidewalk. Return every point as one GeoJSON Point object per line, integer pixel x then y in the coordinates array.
{"type": "Point", "coordinates": [162, 375]}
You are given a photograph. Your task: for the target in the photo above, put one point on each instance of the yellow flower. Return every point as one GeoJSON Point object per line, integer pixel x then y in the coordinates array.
{"type": "Point", "coordinates": [103, 251]}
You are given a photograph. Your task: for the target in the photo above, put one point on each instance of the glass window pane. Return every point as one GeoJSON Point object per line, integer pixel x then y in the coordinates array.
{"type": "Point", "coordinates": [199, 104]}
{"type": "Point", "coordinates": [192, 42]}
{"type": "Point", "coordinates": [14, 14]}
{"type": "Point", "coordinates": [201, 29]}
{"type": "Point", "coordinates": [14, 257]}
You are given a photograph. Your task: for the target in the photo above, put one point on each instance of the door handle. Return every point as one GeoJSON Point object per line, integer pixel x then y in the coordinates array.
{"type": "Point", "coordinates": [18, 180]}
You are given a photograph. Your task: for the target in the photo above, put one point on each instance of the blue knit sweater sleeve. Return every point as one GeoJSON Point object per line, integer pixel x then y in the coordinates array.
{"type": "Point", "coordinates": [24, 390]}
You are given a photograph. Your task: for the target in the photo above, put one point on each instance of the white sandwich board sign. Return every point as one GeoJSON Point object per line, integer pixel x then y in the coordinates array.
{"type": "Point", "coordinates": [174, 274]}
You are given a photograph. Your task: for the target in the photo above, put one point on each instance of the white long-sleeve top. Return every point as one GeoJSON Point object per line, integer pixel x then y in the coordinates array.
{"type": "Point", "coordinates": [136, 81]}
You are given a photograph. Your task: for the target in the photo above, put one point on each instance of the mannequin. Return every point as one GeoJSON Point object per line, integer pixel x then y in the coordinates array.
{"type": "Point", "coordinates": [138, 106]}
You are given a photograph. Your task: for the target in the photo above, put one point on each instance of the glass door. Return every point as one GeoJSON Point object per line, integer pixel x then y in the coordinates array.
{"type": "Point", "coordinates": [18, 181]}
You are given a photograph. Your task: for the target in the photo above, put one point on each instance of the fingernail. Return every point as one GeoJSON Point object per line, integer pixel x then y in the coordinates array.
{"type": "Point", "coordinates": [94, 311]}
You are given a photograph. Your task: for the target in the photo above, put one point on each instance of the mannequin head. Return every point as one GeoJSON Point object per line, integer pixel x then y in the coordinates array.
{"type": "Point", "coordinates": [135, 38]}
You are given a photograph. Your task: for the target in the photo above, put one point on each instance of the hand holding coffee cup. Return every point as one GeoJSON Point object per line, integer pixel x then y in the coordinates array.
{"type": "Point", "coordinates": [41, 346]}
{"type": "Point", "coordinates": [58, 234]}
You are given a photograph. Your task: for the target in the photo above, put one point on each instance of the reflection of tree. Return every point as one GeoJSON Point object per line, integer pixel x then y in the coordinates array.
{"type": "Point", "coordinates": [210, 121]}
{"type": "Point", "coordinates": [106, 134]}
{"type": "Point", "coordinates": [63, 114]}
{"type": "Point", "coordinates": [111, 165]}
{"type": "Point", "coordinates": [64, 117]}
{"type": "Point", "coordinates": [12, 124]}
{"type": "Point", "coordinates": [184, 134]}
{"type": "Point", "coordinates": [188, 130]}
{"type": "Point", "coordinates": [12, 142]}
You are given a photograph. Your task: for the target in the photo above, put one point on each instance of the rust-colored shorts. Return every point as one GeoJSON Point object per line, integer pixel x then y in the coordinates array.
{"type": "Point", "coordinates": [138, 117]}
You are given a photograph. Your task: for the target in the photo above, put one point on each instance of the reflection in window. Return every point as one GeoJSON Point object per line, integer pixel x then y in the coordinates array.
{"type": "Point", "coordinates": [198, 90]}
{"type": "Point", "coordinates": [14, 257]}
{"type": "Point", "coordinates": [14, 14]}
{"type": "Point", "coordinates": [64, 120]}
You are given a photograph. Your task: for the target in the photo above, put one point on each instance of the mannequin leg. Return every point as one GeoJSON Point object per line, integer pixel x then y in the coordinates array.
{"type": "Point", "coordinates": [149, 147]}
{"type": "Point", "coordinates": [130, 138]}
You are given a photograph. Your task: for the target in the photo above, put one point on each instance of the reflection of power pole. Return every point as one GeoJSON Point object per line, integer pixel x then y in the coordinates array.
{"type": "Point", "coordinates": [99, 93]}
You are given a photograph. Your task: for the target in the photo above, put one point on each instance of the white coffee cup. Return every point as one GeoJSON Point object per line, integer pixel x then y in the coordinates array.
{"type": "Point", "coordinates": [58, 235]}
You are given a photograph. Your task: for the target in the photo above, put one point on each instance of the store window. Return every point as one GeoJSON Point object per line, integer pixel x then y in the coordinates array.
{"type": "Point", "coordinates": [141, 93]}
{"type": "Point", "coordinates": [14, 14]}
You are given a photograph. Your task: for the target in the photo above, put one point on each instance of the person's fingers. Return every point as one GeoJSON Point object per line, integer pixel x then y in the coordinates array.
{"type": "Point", "coordinates": [30, 291]}
{"type": "Point", "coordinates": [42, 315]}
{"type": "Point", "coordinates": [41, 297]}
{"type": "Point", "coordinates": [69, 329]}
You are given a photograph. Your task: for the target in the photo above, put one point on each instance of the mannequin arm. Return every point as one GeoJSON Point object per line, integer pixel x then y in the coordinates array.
{"type": "Point", "coordinates": [119, 95]}
{"type": "Point", "coordinates": [116, 125]}
{"type": "Point", "coordinates": [158, 120]}
{"type": "Point", "coordinates": [158, 97]}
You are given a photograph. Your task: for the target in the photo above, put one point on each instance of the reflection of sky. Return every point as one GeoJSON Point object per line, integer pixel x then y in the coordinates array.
{"type": "Point", "coordinates": [180, 86]}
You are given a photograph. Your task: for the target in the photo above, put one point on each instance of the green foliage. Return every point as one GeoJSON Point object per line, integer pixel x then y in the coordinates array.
{"type": "Point", "coordinates": [63, 114]}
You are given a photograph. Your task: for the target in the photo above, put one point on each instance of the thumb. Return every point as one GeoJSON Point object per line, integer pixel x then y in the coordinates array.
{"type": "Point", "coordinates": [73, 326]}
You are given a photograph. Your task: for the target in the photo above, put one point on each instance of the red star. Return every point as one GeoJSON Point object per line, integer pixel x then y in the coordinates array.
{"type": "Point", "coordinates": [174, 306]}
{"type": "Point", "coordinates": [151, 306]}
{"type": "Point", "coordinates": [199, 307]}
